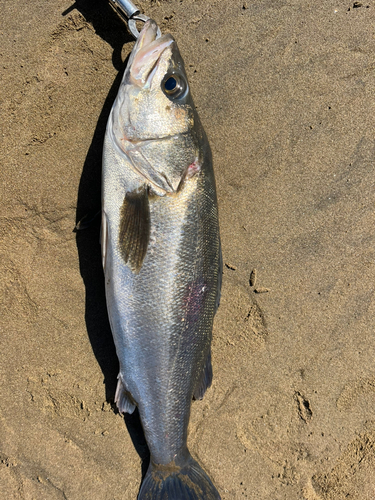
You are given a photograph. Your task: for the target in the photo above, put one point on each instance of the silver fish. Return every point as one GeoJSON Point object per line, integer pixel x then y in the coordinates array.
{"type": "Point", "coordinates": [161, 258]}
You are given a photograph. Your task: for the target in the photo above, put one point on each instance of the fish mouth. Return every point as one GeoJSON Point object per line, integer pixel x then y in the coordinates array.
{"type": "Point", "coordinates": [146, 54]}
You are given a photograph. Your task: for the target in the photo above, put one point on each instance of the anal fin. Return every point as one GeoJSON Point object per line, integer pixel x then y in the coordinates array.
{"type": "Point", "coordinates": [134, 233]}
{"type": "Point", "coordinates": [123, 399]}
{"type": "Point", "coordinates": [205, 380]}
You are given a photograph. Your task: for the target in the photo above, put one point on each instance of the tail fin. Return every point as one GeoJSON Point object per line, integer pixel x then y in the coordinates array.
{"type": "Point", "coordinates": [170, 482]}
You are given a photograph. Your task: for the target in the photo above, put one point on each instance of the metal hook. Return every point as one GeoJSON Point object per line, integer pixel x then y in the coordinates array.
{"type": "Point", "coordinates": [124, 8]}
{"type": "Point", "coordinates": [129, 10]}
{"type": "Point", "coordinates": [133, 26]}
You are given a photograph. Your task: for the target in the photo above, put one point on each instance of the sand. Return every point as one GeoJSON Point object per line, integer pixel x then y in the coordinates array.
{"type": "Point", "coordinates": [285, 90]}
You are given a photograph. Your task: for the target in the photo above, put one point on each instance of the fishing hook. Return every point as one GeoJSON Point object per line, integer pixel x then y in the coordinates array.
{"type": "Point", "coordinates": [126, 9]}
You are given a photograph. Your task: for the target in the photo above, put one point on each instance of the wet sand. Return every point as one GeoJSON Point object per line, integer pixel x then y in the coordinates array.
{"type": "Point", "coordinates": [285, 91]}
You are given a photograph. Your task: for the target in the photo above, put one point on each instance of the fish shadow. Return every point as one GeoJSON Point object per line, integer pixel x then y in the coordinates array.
{"type": "Point", "coordinates": [105, 22]}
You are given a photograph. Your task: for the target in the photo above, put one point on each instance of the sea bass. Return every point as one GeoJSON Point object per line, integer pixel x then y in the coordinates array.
{"type": "Point", "coordinates": [161, 258]}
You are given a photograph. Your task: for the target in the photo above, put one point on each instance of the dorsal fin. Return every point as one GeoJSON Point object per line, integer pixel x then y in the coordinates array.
{"type": "Point", "coordinates": [205, 380]}
{"type": "Point", "coordinates": [134, 233]}
{"type": "Point", "coordinates": [219, 278]}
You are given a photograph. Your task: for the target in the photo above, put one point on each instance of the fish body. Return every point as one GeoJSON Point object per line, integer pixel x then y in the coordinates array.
{"type": "Point", "coordinates": [161, 258]}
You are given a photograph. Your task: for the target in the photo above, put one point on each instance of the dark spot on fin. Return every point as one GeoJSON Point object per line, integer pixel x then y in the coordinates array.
{"type": "Point", "coordinates": [205, 380]}
{"type": "Point", "coordinates": [135, 228]}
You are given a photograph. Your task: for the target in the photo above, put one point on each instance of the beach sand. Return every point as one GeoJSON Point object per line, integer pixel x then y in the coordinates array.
{"type": "Point", "coordinates": [285, 90]}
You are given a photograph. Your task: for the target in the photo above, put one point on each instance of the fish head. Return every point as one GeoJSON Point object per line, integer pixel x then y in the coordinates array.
{"type": "Point", "coordinates": [154, 114]}
{"type": "Point", "coordinates": [155, 87]}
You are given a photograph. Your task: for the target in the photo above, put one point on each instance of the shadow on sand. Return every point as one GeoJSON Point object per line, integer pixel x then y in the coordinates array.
{"type": "Point", "coordinates": [109, 27]}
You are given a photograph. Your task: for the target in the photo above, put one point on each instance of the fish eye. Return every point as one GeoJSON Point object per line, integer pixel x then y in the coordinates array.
{"type": "Point", "coordinates": [174, 86]}
{"type": "Point", "coordinates": [171, 84]}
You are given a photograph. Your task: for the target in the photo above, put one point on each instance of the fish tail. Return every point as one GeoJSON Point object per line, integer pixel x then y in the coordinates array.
{"type": "Point", "coordinates": [188, 482]}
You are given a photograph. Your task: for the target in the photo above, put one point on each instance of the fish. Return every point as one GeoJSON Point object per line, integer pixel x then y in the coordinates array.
{"type": "Point", "coordinates": [162, 259]}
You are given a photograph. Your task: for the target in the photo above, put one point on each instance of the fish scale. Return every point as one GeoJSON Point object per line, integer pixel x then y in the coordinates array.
{"type": "Point", "coordinates": [161, 256]}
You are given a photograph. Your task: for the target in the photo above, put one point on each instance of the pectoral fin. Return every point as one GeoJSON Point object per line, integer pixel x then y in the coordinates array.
{"type": "Point", "coordinates": [134, 231]}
